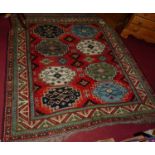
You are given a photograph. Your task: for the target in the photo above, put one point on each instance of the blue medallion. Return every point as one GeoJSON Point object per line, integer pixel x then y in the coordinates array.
{"type": "Point", "coordinates": [110, 92]}
{"type": "Point", "coordinates": [84, 31]}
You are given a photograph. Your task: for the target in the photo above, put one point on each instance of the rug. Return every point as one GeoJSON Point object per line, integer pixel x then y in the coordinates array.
{"type": "Point", "coordinates": [65, 75]}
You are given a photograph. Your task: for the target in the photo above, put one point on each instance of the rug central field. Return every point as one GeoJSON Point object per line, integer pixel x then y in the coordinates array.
{"type": "Point", "coordinates": [64, 75]}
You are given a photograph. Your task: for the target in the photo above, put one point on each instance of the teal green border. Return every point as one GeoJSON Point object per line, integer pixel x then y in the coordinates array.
{"type": "Point", "coordinates": [15, 81]}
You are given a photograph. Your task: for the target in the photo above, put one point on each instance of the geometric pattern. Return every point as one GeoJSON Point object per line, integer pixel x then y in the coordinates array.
{"type": "Point", "coordinates": [57, 75]}
{"type": "Point", "coordinates": [102, 58]}
{"type": "Point", "coordinates": [69, 38]}
{"type": "Point", "coordinates": [89, 103]}
{"type": "Point", "coordinates": [48, 31]}
{"type": "Point", "coordinates": [110, 91]}
{"type": "Point", "coordinates": [84, 31]}
{"type": "Point", "coordinates": [101, 71]}
{"type": "Point", "coordinates": [89, 59]}
{"type": "Point", "coordinates": [31, 111]}
{"type": "Point", "coordinates": [90, 47]}
{"type": "Point", "coordinates": [51, 48]}
{"type": "Point", "coordinates": [46, 61]}
{"type": "Point", "coordinates": [83, 82]}
{"type": "Point", "coordinates": [62, 61]}
{"type": "Point", "coordinates": [77, 63]}
{"type": "Point", "coordinates": [61, 97]}
{"type": "Point", "coordinates": [75, 56]}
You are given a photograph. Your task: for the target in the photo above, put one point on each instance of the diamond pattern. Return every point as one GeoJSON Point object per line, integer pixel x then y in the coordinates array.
{"type": "Point", "coordinates": [77, 63]}
{"type": "Point", "coordinates": [83, 82]}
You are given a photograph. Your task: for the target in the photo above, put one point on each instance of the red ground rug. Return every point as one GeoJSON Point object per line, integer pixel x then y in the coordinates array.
{"type": "Point", "coordinates": [65, 75]}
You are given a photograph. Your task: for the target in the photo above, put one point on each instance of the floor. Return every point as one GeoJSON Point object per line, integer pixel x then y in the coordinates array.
{"type": "Point", "coordinates": [144, 54]}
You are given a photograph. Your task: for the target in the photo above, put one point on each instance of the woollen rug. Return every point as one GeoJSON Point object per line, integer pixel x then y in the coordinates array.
{"type": "Point", "coordinates": [65, 75]}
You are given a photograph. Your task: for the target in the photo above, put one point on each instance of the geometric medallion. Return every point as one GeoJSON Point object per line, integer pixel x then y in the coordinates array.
{"type": "Point", "coordinates": [84, 31]}
{"type": "Point", "coordinates": [48, 31]}
{"type": "Point", "coordinates": [110, 91]}
{"type": "Point", "coordinates": [101, 71]}
{"type": "Point", "coordinates": [57, 75]}
{"type": "Point", "coordinates": [59, 98]}
{"type": "Point", "coordinates": [90, 47]}
{"type": "Point", "coordinates": [51, 48]}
